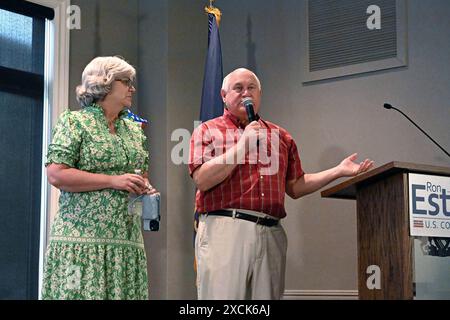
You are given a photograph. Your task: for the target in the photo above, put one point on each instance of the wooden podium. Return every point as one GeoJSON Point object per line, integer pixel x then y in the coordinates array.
{"type": "Point", "coordinates": [383, 226]}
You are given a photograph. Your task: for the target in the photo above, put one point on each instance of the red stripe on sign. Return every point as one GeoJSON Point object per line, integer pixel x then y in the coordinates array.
{"type": "Point", "coordinates": [418, 223]}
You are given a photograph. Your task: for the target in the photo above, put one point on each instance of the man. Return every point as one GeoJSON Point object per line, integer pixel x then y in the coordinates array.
{"type": "Point", "coordinates": [240, 245]}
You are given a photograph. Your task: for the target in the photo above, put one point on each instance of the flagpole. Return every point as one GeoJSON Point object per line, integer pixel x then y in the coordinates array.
{"type": "Point", "coordinates": [213, 10]}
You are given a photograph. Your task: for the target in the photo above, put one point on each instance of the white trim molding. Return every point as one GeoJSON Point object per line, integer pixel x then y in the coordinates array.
{"type": "Point", "coordinates": [56, 97]}
{"type": "Point", "coordinates": [320, 295]}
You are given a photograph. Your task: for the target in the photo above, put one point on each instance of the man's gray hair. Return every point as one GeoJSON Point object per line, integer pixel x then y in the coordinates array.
{"type": "Point", "coordinates": [225, 85]}
{"type": "Point", "coordinates": [98, 76]}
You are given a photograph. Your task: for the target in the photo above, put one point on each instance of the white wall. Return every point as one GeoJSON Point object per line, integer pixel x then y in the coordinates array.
{"type": "Point", "coordinates": [153, 68]}
{"type": "Point", "coordinates": [107, 28]}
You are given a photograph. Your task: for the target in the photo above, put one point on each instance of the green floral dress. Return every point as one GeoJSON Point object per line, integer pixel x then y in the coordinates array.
{"type": "Point", "coordinates": [96, 248]}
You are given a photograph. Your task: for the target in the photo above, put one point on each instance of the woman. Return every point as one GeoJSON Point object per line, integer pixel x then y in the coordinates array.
{"type": "Point", "coordinates": [96, 248]}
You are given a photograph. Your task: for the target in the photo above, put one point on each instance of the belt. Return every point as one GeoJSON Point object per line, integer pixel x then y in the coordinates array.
{"type": "Point", "coordinates": [268, 222]}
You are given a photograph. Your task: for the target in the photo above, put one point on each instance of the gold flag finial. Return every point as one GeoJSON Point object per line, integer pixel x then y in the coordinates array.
{"type": "Point", "coordinates": [213, 10]}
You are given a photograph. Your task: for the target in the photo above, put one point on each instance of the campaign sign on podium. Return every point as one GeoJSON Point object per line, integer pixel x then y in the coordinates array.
{"type": "Point", "coordinates": [393, 201]}
{"type": "Point", "coordinates": [429, 205]}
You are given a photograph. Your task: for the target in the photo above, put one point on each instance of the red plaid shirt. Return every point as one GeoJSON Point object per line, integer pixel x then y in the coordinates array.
{"type": "Point", "coordinates": [259, 183]}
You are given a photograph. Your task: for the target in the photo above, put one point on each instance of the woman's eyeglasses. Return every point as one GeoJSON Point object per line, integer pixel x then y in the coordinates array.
{"type": "Point", "coordinates": [128, 82]}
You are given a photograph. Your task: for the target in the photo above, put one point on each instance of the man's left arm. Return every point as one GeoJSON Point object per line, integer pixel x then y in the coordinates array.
{"type": "Point", "coordinates": [311, 182]}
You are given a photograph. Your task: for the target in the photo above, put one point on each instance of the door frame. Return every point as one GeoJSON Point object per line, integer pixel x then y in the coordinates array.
{"type": "Point", "coordinates": [56, 98]}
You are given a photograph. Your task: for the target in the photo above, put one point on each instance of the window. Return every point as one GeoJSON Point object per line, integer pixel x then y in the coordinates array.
{"type": "Point", "coordinates": [33, 89]}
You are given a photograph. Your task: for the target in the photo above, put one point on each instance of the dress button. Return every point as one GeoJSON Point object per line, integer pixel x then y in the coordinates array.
{"type": "Point", "coordinates": [262, 194]}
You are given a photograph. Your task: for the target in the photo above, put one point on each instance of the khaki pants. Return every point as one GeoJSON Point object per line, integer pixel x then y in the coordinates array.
{"type": "Point", "coordinates": [238, 259]}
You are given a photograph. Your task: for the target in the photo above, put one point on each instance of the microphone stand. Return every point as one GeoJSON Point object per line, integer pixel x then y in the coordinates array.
{"type": "Point", "coordinates": [388, 106]}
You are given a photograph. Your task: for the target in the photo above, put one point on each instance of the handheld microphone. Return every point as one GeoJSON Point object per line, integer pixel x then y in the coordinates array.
{"type": "Point", "coordinates": [388, 106]}
{"type": "Point", "coordinates": [248, 104]}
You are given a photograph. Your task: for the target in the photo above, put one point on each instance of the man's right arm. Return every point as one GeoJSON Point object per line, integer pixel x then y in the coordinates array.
{"type": "Point", "coordinates": [216, 170]}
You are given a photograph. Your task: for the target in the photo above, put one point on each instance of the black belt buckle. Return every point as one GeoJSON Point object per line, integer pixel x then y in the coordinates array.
{"type": "Point", "coordinates": [266, 222]}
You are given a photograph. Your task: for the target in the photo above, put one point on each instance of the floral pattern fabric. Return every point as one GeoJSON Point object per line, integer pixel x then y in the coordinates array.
{"type": "Point", "coordinates": [96, 248]}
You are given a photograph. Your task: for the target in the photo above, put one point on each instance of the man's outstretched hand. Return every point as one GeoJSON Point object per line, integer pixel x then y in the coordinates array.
{"type": "Point", "coordinates": [349, 168]}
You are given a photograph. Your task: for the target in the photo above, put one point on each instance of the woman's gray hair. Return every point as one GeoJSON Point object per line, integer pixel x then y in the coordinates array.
{"type": "Point", "coordinates": [97, 78]}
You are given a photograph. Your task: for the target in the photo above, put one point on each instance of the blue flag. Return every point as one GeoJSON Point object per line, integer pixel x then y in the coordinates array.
{"type": "Point", "coordinates": [212, 105]}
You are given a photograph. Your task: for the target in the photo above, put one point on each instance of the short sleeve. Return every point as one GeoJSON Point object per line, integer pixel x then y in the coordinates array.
{"type": "Point", "coordinates": [66, 141]}
{"type": "Point", "coordinates": [200, 140]}
{"type": "Point", "coordinates": [294, 169]}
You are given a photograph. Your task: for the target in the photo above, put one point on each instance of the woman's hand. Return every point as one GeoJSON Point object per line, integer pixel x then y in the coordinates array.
{"type": "Point", "coordinates": [132, 183]}
{"type": "Point", "coordinates": [149, 188]}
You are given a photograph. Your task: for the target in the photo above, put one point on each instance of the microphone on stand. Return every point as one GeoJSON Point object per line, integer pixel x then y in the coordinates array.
{"type": "Point", "coordinates": [389, 106]}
